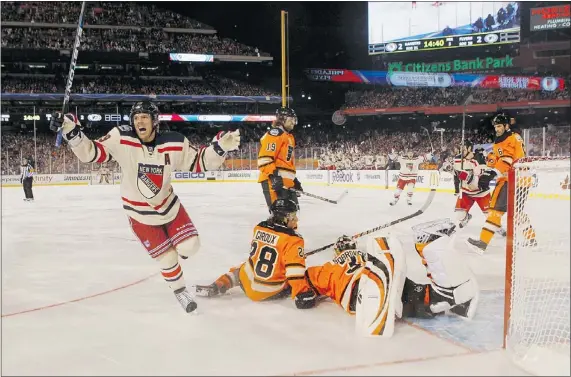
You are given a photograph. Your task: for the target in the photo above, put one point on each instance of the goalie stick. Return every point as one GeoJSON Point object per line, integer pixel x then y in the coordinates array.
{"type": "Point", "coordinates": [321, 197]}
{"type": "Point", "coordinates": [72, 64]}
{"type": "Point", "coordinates": [386, 225]}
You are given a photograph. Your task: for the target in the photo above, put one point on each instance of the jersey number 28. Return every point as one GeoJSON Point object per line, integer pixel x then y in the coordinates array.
{"type": "Point", "coordinates": [267, 259]}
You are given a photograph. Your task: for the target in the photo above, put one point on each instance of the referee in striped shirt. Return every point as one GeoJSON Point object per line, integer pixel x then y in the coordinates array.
{"type": "Point", "coordinates": [28, 178]}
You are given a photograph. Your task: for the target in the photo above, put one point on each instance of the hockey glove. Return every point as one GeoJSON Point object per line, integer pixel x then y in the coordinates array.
{"type": "Point", "coordinates": [297, 187]}
{"type": "Point", "coordinates": [306, 300]}
{"type": "Point", "coordinates": [464, 175]}
{"type": "Point", "coordinates": [225, 142]}
{"type": "Point", "coordinates": [277, 182]}
{"type": "Point", "coordinates": [485, 179]}
{"type": "Point", "coordinates": [70, 126]}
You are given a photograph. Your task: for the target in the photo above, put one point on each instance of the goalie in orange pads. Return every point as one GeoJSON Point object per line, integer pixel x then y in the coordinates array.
{"type": "Point", "coordinates": [276, 265]}
{"type": "Point", "coordinates": [374, 284]}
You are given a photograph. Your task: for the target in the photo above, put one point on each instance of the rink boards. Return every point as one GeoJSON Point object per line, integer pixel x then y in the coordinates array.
{"type": "Point", "coordinates": [552, 185]}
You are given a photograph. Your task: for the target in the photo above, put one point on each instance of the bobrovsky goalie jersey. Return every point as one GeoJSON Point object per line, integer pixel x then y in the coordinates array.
{"type": "Point", "coordinates": [146, 168]}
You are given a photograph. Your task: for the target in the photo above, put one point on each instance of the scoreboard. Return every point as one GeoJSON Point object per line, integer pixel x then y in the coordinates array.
{"type": "Point", "coordinates": [453, 41]}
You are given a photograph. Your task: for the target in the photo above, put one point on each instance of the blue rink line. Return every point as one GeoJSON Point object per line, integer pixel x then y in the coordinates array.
{"type": "Point", "coordinates": [483, 333]}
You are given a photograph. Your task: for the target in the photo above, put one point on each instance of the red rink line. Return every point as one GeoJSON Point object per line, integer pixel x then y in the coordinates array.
{"type": "Point", "coordinates": [81, 298]}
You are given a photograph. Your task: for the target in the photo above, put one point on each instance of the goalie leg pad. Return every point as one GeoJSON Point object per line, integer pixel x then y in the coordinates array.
{"type": "Point", "coordinates": [380, 288]}
{"type": "Point", "coordinates": [453, 282]}
{"type": "Point", "coordinates": [171, 269]}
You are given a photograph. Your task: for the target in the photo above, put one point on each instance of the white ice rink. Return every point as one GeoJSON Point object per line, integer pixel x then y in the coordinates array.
{"type": "Point", "coordinates": [74, 247]}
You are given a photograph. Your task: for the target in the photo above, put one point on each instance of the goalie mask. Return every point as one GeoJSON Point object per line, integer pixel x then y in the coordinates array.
{"type": "Point", "coordinates": [145, 107]}
{"type": "Point", "coordinates": [428, 232]}
{"type": "Point", "coordinates": [344, 243]}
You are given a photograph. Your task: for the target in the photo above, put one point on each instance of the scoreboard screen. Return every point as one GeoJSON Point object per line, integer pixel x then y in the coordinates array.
{"type": "Point", "coordinates": [414, 26]}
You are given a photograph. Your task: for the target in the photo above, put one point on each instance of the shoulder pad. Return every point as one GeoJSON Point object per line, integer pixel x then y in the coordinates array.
{"type": "Point", "coordinates": [170, 137]}
{"type": "Point", "coordinates": [275, 131]}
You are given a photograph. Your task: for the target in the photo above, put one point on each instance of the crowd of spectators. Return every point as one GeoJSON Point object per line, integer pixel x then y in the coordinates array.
{"type": "Point", "coordinates": [322, 148]}
{"type": "Point", "coordinates": [147, 34]}
{"type": "Point", "coordinates": [153, 40]}
{"type": "Point", "coordinates": [213, 85]}
{"type": "Point", "coordinates": [385, 97]}
{"type": "Point", "coordinates": [97, 13]}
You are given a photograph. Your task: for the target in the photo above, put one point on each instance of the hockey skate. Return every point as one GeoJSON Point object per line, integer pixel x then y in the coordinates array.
{"type": "Point", "coordinates": [464, 222]}
{"type": "Point", "coordinates": [477, 246]}
{"type": "Point", "coordinates": [409, 202]}
{"type": "Point", "coordinates": [502, 232]}
{"type": "Point", "coordinates": [393, 202]}
{"type": "Point", "coordinates": [185, 299]}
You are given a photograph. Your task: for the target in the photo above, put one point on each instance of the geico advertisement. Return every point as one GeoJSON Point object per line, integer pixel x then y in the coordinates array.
{"type": "Point", "coordinates": [186, 175]}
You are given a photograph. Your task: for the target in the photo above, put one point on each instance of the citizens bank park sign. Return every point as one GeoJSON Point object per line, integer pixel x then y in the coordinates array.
{"type": "Point", "coordinates": [427, 75]}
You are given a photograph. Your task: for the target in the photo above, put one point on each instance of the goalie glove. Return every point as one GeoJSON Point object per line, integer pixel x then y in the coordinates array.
{"type": "Point", "coordinates": [485, 179]}
{"type": "Point", "coordinates": [69, 125]}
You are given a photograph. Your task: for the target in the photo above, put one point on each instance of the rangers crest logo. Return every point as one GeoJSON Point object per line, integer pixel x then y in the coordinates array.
{"type": "Point", "coordinates": [150, 179]}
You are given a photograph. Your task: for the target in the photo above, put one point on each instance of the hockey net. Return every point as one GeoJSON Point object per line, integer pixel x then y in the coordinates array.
{"type": "Point", "coordinates": [537, 319]}
{"type": "Point", "coordinates": [103, 176]}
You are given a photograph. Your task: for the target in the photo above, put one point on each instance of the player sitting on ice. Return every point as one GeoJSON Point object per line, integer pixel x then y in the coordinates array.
{"type": "Point", "coordinates": [147, 157]}
{"type": "Point", "coordinates": [407, 176]}
{"type": "Point", "coordinates": [276, 265]}
{"type": "Point", "coordinates": [375, 285]}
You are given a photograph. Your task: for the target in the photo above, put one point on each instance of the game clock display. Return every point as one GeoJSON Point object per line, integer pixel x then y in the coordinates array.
{"type": "Point", "coordinates": [453, 41]}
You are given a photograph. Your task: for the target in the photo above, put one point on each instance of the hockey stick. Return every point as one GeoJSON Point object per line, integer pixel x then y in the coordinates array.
{"type": "Point", "coordinates": [321, 197]}
{"type": "Point", "coordinates": [386, 225]}
{"type": "Point", "coordinates": [72, 64]}
{"type": "Point", "coordinates": [429, 138]}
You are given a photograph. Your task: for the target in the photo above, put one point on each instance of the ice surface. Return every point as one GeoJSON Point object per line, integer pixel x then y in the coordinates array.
{"type": "Point", "coordinates": [75, 242]}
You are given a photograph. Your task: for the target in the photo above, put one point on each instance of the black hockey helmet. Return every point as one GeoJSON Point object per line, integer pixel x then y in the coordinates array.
{"type": "Point", "coordinates": [145, 107]}
{"type": "Point", "coordinates": [283, 207]}
{"type": "Point", "coordinates": [501, 118]}
{"type": "Point", "coordinates": [285, 112]}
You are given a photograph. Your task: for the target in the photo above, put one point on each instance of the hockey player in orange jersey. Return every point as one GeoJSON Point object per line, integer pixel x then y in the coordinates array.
{"type": "Point", "coordinates": [276, 159]}
{"type": "Point", "coordinates": [374, 284]}
{"type": "Point", "coordinates": [276, 265]}
{"type": "Point", "coordinates": [508, 148]}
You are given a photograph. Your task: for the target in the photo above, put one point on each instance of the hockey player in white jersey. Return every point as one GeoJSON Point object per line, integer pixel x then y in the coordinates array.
{"type": "Point", "coordinates": [147, 157]}
{"type": "Point", "coordinates": [467, 169]}
{"type": "Point", "coordinates": [407, 176]}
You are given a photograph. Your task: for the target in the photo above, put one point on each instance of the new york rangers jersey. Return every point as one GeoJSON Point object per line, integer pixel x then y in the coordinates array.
{"type": "Point", "coordinates": [146, 168]}
{"type": "Point", "coordinates": [470, 185]}
{"type": "Point", "coordinates": [409, 167]}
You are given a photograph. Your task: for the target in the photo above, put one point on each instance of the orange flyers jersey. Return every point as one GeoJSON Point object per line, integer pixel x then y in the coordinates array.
{"type": "Point", "coordinates": [276, 261]}
{"type": "Point", "coordinates": [508, 148]}
{"type": "Point", "coordinates": [277, 153]}
{"type": "Point", "coordinates": [337, 278]}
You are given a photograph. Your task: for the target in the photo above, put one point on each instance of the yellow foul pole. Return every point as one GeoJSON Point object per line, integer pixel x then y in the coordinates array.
{"type": "Point", "coordinates": [283, 41]}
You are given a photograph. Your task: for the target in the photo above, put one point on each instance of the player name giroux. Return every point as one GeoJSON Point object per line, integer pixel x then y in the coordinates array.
{"type": "Point", "coordinates": [271, 239]}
